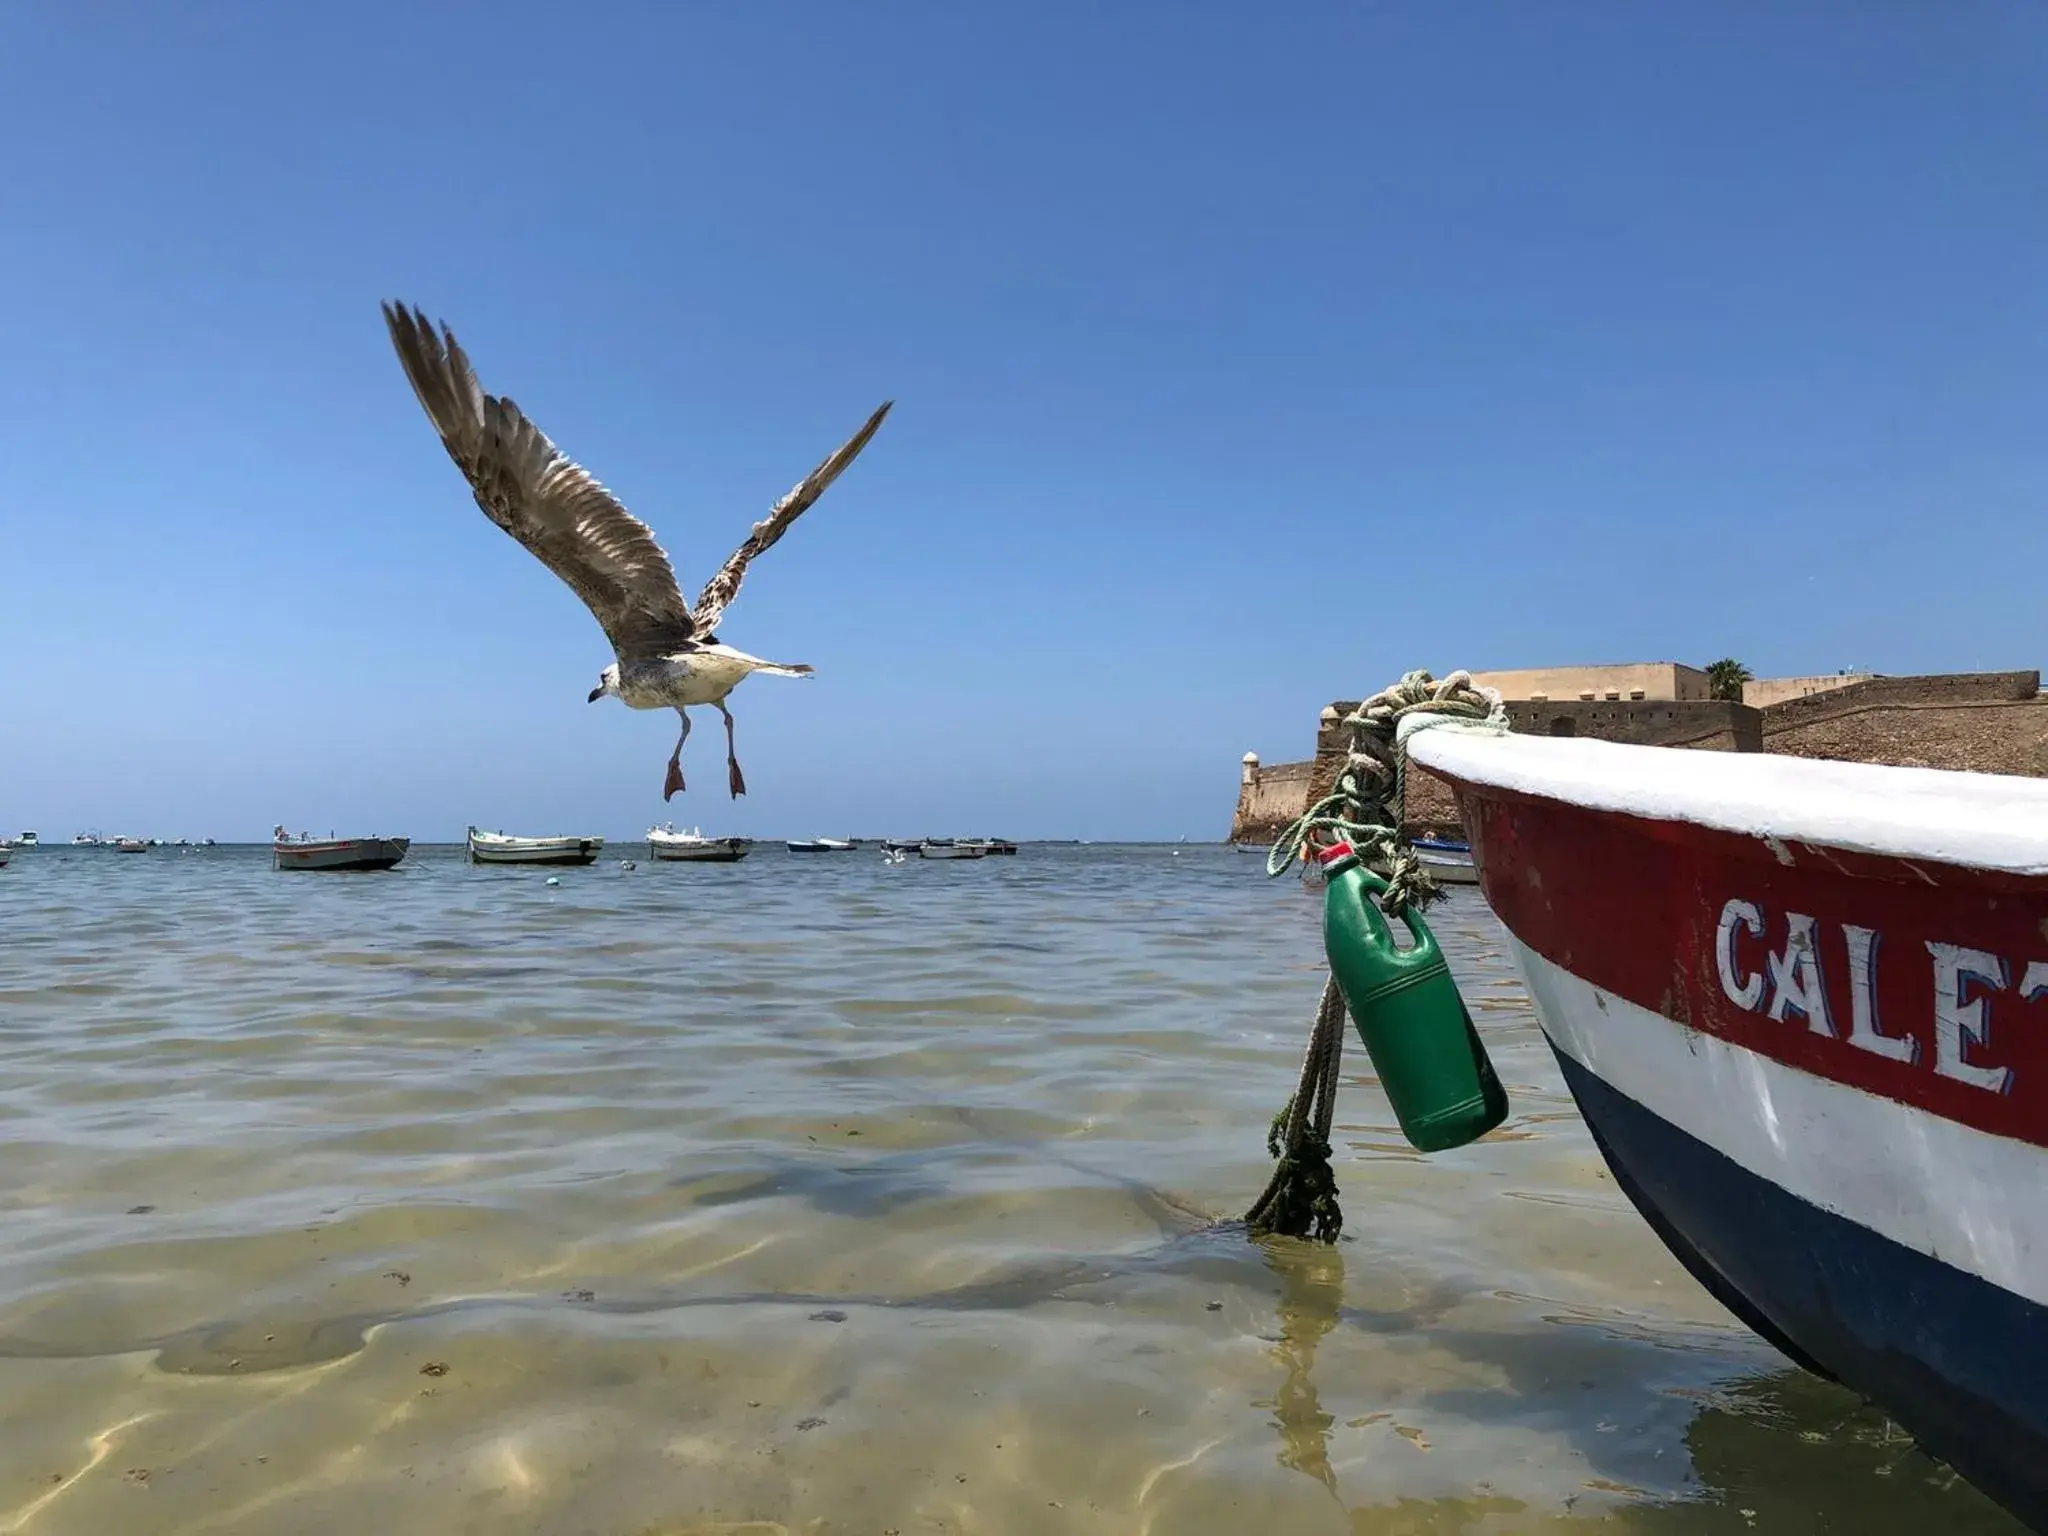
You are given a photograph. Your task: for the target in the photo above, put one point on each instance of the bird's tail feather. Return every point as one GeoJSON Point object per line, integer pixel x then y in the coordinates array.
{"type": "Point", "coordinates": [786, 669]}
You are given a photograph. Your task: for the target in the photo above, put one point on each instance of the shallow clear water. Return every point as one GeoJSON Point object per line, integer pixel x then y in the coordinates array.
{"type": "Point", "coordinates": [815, 1194]}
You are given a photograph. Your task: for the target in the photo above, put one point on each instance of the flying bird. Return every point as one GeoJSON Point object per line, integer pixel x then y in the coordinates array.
{"type": "Point", "coordinates": [669, 654]}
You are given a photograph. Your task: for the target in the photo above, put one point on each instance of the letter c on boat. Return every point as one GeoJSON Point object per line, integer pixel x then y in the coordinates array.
{"type": "Point", "coordinates": [1743, 991]}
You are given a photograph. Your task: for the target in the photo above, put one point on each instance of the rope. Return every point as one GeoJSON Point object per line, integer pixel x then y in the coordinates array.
{"type": "Point", "coordinates": [1365, 808]}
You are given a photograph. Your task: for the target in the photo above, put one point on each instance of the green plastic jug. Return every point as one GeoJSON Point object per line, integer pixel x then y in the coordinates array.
{"type": "Point", "coordinates": [1407, 1010]}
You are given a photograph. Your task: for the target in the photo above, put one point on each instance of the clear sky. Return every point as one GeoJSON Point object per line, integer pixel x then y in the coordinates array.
{"type": "Point", "coordinates": [1244, 357]}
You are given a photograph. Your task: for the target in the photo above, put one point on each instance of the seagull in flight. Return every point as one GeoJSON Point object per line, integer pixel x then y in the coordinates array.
{"type": "Point", "coordinates": [669, 654]}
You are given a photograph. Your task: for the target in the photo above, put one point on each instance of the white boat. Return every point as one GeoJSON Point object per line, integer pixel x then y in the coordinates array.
{"type": "Point", "coordinates": [503, 848]}
{"type": "Point", "coordinates": [1803, 1007]}
{"type": "Point", "coordinates": [29, 840]}
{"type": "Point", "coordinates": [131, 845]}
{"type": "Point", "coordinates": [946, 848]}
{"type": "Point", "coordinates": [692, 847]}
{"type": "Point", "coordinates": [87, 840]}
{"type": "Point", "coordinates": [821, 844]}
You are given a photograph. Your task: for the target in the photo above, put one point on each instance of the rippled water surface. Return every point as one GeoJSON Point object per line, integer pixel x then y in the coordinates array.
{"type": "Point", "coordinates": [820, 1195]}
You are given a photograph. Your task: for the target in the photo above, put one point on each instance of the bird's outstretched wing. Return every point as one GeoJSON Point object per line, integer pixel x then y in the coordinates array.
{"type": "Point", "coordinates": [723, 587]}
{"type": "Point", "coordinates": [572, 524]}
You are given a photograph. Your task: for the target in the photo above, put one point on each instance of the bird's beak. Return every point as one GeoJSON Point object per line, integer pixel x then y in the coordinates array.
{"type": "Point", "coordinates": [595, 695]}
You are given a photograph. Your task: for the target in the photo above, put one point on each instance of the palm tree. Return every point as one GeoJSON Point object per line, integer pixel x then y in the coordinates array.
{"type": "Point", "coordinates": [1725, 679]}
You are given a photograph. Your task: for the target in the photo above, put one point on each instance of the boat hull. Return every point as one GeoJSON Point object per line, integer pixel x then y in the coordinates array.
{"type": "Point", "coordinates": [951, 851]}
{"type": "Point", "coordinates": [1821, 1074]}
{"type": "Point", "coordinates": [535, 850]}
{"type": "Point", "coordinates": [720, 851]}
{"type": "Point", "coordinates": [339, 854]}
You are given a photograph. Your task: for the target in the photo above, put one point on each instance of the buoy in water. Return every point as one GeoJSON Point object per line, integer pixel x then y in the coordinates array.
{"type": "Point", "coordinates": [554, 879]}
{"type": "Point", "coordinates": [1407, 1010]}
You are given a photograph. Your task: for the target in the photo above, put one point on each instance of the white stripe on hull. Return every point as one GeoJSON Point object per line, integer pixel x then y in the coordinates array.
{"type": "Point", "coordinates": [1975, 1201]}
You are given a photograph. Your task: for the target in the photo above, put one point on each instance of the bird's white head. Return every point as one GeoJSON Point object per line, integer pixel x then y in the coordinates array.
{"type": "Point", "coordinates": [607, 683]}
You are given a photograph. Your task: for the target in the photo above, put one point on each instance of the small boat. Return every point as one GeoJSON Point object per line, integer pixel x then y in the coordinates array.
{"type": "Point", "coordinates": [1442, 844]}
{"type": "Point", "coordinates": [29, 840]}
{"type": "Point", "coordinates": [87, 840]}
{"type": "Point", "coordinates": [131, 845]}
{"type": "Point", "coordinates": [1000, 845]}
{"type": "Point", "coordinates": [1803, 1008]}
{"type": "Point", "coordinates": [503, 848]}
{"type": "Point", "coordinates": [901, 844]}
{"type": "Point", "coordinates": [947, 848]}
{"type": "Point", "coordinates": [1447, 860]}
{"type": "Point", "coordinates": [333, 853]}
{"type": "Point", "coordinates": [822, 844]}
{"type": "Point", "coordinates": [6, 853]}
{"type": "Point", "coordinates": [692, 847]}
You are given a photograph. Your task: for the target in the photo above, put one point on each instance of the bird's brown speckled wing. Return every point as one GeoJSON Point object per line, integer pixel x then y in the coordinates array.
{"type": "Point", "coordinates": [529, 488]}
{"type": "Point", "coordinates": [720, 590]}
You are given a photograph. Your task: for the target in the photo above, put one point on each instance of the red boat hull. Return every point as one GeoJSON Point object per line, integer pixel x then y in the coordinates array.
{"type": "Point", "coordinates": [1822, 1076]}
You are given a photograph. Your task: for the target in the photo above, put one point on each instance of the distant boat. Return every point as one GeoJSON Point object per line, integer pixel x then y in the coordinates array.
{"type": "Point", "coordinates": [822, 844]}
{"type": "Point", "coordinates": [30, 840]}
{"type": "Point", "coordinates": [901, 844]}
{"type": "Point", "coordinates": [502, 848]}
{"type": "Point", "coordinates": [131, 845]}
{"type": "Point", "coordinates": [6, 853]}
{"type": "Point", "coordinates": [333, 853]}
{"type": "Point", "coordinates": [994, 845]}
{"type": "Point", "coordinates": [87, 840]}
{"type": "Point", "coordinates": [692, 847]}
{"type": "Point", "coordinates": [947, 848]}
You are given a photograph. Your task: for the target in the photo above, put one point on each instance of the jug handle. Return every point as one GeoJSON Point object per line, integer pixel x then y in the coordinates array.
{"type": "Point", "coordinates": [1419, 936]}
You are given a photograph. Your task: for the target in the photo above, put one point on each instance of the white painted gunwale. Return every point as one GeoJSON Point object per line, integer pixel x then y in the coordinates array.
{"type": "Point", "coordinates": [1976, 820]}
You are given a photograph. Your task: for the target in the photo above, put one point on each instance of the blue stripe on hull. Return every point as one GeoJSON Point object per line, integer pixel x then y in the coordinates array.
{"type": "Point", "coordinates": [1962, 1364]}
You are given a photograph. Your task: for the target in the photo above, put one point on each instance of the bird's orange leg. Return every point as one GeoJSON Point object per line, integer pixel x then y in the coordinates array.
{"type": "Point", "coordinates": [735, 780]}
{"type": "Point", "coordinates": [674, 781]}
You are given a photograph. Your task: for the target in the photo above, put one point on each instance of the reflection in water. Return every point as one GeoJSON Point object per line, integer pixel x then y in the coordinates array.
{"type": "Point", "coordinates": [1789, 1452]}
{"type": "Point", "coordinates": [1311, 1300]}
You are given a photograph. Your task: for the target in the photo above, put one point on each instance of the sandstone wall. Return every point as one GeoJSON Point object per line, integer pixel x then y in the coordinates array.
{"type": "Point", "coordinates": [1985, 722]}
{"type": "Point", "coordinates": [1651, 679]}
{"type": "Point", "coordinates": [1269, 797]}
{"type": "Point", "coordinates": [1990, 737]}
{"type": "Point", "coordinates": [1763, 692]}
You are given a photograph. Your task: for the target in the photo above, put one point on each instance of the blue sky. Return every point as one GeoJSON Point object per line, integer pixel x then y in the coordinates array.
{"type": "Point", "coordinates": [1244, 357]}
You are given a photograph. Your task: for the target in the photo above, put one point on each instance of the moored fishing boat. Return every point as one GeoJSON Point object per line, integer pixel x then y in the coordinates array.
{"type": "Point", "coordinates": [821, 844]}
{"type": "Point", "coordinates": [1803, 1007]}
{"type": "Point", "coordinates": [691, 847]}
{"type": "Point", "coordinates": [336, 853]}
{"type": "Point", "coordinates": [504, 848]}
{"type": "Point", "coordinates": [1448, 860]}
{"type": "Point", "coordinates": [948, 848]}
{"type": "Point", "coordinates": [131, 845]}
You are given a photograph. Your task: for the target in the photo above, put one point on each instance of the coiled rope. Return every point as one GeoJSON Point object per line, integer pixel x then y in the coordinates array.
{"type": "Point", "coordinates": [1364, 808]}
